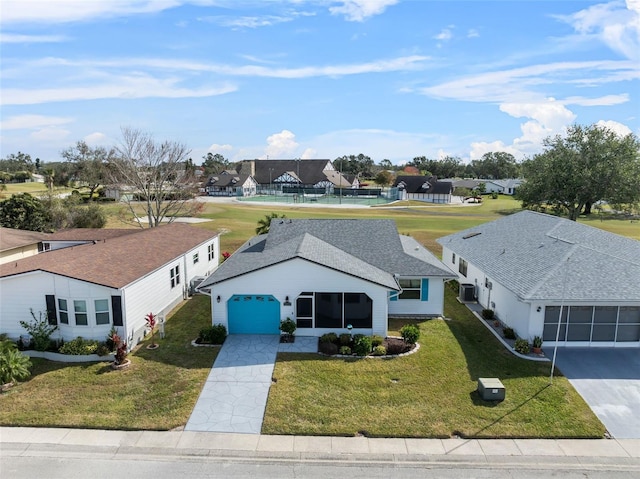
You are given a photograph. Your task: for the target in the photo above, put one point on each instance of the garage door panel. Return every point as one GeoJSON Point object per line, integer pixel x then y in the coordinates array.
{"type": "Point", "coordinates": [253, 314]}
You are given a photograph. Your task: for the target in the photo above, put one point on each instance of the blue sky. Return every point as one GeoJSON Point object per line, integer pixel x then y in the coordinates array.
{"type": "Point", "coordinates": [316, 79]}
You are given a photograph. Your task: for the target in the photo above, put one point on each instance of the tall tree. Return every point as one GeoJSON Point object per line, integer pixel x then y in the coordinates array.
{"type": "Point", "coordinates": [14, 163]}
{"type": "Point", "coordinates": [384, 178]}
{"type": "Point", "coordinates": [89, 164]}
{"type": "Point", "coordinates": [214, 164]}
{"type": "Point", "coordinates": [496, 165]}
{"type": "Point", "coordinates": [24, 212]}
{"type": "Point", "coordinates": [155, 173]}
{"type": "Point", "coordinates": [589, 164]}
{"type": "Point", "coordinates": [355, 165]}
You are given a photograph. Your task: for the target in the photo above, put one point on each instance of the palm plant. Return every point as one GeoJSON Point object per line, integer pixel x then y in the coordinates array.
{"type": "Point", "coordinates": [265, 223]}
{"type": "Point", "coordinates": [14, 366]}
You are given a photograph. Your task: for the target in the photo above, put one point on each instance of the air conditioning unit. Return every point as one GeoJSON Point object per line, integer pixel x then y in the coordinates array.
{"type": "Point", "coordinates": [194, 283]}
{"type": "Point", "coordinates": [467, 292]}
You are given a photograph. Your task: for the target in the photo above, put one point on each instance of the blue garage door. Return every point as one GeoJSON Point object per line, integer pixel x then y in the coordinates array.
{"type": "Point", "coordinates": [254, 314]}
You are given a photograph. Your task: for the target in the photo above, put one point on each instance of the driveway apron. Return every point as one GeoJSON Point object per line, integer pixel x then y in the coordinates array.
{"type": "Point", "coordinates": [234, 396]}
{"type": "Point", "coordinates": [609, 381]}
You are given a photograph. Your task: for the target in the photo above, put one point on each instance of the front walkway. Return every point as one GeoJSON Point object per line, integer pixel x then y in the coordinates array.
{"type": "Point", "coordinates": [234, 396]}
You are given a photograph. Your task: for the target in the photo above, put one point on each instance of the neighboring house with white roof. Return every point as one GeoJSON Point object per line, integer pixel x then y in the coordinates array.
{"type": "Point", "coordinates": [528, 266]}
{"type": "Point", "coordinates": [505, 187]}
{"type": "Point", "coordinates": [326, 275]}
{"type": "Point", "coordinates": [89, 280]}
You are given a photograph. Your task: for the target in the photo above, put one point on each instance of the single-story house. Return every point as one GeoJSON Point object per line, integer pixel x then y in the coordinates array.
{"type": "Point", "coordinates": [423, 188]}
{"type": "Point", "coordinates": [326, 275]}
{"type": "Point", "coordinates": [89, 280]}
{"type": "Point", "coordinates": [230, 183]}
{"type": "Point", "coordinates": [504, 187]}
{"type": "Point", "coordinates": [534, 269]}
{"type": "Point", "coordinates": [294, 175]}
{"type": "Point", "coordinates": [19, 244]}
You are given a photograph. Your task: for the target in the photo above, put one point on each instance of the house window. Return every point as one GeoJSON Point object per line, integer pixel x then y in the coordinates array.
{"type": "Point", "coordinates": [63, 311]}
{"type": "Point", "coordinates": [462, 267]}
{"type": "Point", "coordinates": [102, 311]}
{"type": "Point", "coordinates": [196, 258]}
{"type": "Point", "coordinates": [211, 252]}
{"type": "Point", "coordinates": [80, 310]}
{"type": "Point", "coordinates": [337, 310]}
{"type": "Point", "coordinates": [453, 258]}
{"type": "Point", "coordinates": [175, 276]}
{"type": "Point", "coordinates": [410, 289]}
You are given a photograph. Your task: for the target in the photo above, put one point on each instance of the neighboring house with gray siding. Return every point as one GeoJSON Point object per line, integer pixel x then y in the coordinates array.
{"type": "Point", "coordinates": [87, 280]}
{"type": "Point", "coordinates": [326, 274]}
{"type": "Point", "coordinates": [528, 266]}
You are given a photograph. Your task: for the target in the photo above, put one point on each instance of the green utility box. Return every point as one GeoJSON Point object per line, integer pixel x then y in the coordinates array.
{"type": "Point", "coordinates": [490, 389]}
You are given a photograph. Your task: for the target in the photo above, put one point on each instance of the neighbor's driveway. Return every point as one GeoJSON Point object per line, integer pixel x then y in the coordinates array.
{"type": "Point", "coordinates": [609, 381]}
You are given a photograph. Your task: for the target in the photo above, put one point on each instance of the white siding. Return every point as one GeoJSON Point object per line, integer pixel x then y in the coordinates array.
{"type": "Point", "coordinates": [290, 279]}
{"type": "Point", "coordinates": [21, 292]}
{"type": "Point", "coordinates": [154, 294]}
{"type": "Point", "coordinates": [433, 307]}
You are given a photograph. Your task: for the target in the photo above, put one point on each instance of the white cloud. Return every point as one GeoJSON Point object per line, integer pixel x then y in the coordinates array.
{"type": "Point", "coordinates": [359, 10]}
{"type": "Point", "coordinates": [281, 145]}
{"type": "Point", "coordinates": [309, 153]}
{"type": "Point", "coordinates": [444, 35]}
{"type": "Point", "coordinates": [65, 11]}
{"type": "Point", "coordinates": [96, 138]}
{"type": "Point", "coordinates": [19, 38]}
{"type": "Point", "coordinates": [618, 128]}
{"type": "Point", "coordinates": [246, 22]}
{"type": "Point", "coordinates": [124, 87]}
{"type": "Point", "coordinates": [550, 113]}
{"type": "Point", "coordinates": [215, 148]}
{"type": "Point", "coordinates": [50, 134]}
{"type": "Point", "coordinates": [615, 24]}
{"type": "Point", "coordinates": [473, 33]}
{"type": "Point", "coordinates": [478, 149]}
{"type": "Point", "coordinates": [606, 100]}
{"type": "Point", "coordinates": [28, 122]}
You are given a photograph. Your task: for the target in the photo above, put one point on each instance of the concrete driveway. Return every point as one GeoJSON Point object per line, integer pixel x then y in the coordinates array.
{"type": "Point", "coordinates": [609, 381]}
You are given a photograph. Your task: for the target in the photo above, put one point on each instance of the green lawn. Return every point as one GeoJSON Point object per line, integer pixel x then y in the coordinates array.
{"type": "Point", "coordinates": [158, 391]}
{"type": "Point", "coordinates": [428, 394]}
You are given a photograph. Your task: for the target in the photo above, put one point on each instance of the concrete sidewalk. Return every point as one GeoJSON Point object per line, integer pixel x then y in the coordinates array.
{"type": "Point", "coordinates": [26, 441]}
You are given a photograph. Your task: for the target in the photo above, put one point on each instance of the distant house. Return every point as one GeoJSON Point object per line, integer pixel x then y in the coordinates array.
{"type": "Point", "coordinates": [504, 187]}
{"type": "Point", "coordinates": [19, 244]}
{"type": "Point", "coordinates": [89, 280]}
{"type": "Point", "coordinates": [326, 275]}
{"type": "Point", "coordinates": [292, 175]}
{"type": "Point", "coordinates": [230, 183]}
{"type": "Point", "coordinates": [528, 267]}
{"type": "Point", "coordinates": [423, 188]}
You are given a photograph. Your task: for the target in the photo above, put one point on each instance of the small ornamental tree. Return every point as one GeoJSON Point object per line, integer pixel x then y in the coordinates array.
{"type": "Point", "coordinates": [39, 329]}
{"type": "Point", "coordinates": [151, 324]}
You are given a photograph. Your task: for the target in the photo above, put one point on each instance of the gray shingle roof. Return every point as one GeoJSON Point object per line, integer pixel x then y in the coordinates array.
{"type": "Point", "coordinates": [543, 257]}
{"type": "Point", "coordinates": [368, 249]}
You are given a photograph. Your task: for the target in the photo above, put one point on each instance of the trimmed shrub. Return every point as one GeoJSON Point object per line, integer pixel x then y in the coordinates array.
{"type": "Point", "coordinates": [376, 340]}
{"type": "Point", "coordinates": [410, 333]}
{"type": "Point", "coordinates": [103, 350]}
{"type": "Point", "coordinates": [509, 333]}
{"type": "Point", "coordinates": [329, 338]}
{"type": "Point", "coordinates": [396, 348]}
{"type": "Point", "coordinates": [522, 346]}
{"type": "Point", "coordinates": [345, 339]}
{"type": "Point", "coordinates": [214, 334]}
{"type": "Point", "coordinates": [345, 351]}
{"type": "Point", "coordinates": [379, 350]}
{"type": "Point", "coordinates": [328, 348]}
{"type": "Point", "coordinates": [362, 346]}
{"type": "Point", "coordinates": [79, 347]}
{"type": "Point", "coordinates": [488, 313]}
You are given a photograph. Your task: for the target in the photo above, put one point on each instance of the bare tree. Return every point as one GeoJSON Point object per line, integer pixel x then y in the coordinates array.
{"type": "Point", "coordinates": [154, 175]}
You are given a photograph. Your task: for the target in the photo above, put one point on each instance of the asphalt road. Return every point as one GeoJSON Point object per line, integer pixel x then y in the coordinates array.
{"type": "Point", "coordinates": [53, 466]}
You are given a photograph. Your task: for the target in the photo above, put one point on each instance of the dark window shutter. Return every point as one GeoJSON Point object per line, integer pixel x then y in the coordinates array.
{"type": "Point", "coordinates": [52, 316]}
{"type": "Point", "coordinates": [116, 306]}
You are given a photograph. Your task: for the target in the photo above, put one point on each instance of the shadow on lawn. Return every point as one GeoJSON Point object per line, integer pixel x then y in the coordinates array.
{"type": "Point", "coordinates": [485, 355]}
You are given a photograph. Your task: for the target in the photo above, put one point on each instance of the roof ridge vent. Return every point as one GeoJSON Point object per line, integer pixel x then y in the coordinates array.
{"type": "Point", "coordinates": [471, 235]}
